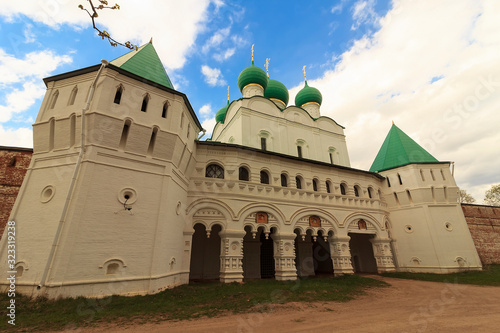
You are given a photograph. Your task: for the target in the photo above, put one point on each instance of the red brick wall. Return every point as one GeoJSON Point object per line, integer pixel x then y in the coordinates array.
{"type": "Point", "coordinates": [484, 226]}
{"type": "Point", "coordinates": [13, 165]}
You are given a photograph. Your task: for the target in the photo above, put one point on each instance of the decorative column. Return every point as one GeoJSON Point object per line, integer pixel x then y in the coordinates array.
{"type": "Point", "coordinates": [284, 256]}
{"type": "Point", "coordinates": [383, 254]}
{"type": "Point", "coordinates": [341, 255]}
{"type": "Point", "coordinates": [231, 256]}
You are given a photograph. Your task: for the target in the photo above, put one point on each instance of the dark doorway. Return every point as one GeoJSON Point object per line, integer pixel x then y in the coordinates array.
{"type": "Point", "coordinates": [205, 253]}
{"type": "Point", "coordinates": [323, 264]}
{"type": "Point", "coordinates": [362, 253]}
{"type": "Point", "coordinates": [267, 270]}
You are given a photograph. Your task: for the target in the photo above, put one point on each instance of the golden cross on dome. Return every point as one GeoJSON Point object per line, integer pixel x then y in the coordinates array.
{"type": "Point", "coordinates": [304, 70]}
{"type": "Point", "coordinates": [228, 93]}
{"type": "Point", "coordinates": [267, 66]}
{"type": "Point", "coordinates": [252, 51]}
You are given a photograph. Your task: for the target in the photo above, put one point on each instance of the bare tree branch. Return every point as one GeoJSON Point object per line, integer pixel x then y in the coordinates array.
{"type": "Point", "coordinates": [103, 33]}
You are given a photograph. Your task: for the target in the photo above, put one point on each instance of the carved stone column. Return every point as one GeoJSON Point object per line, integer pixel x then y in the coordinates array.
{"type": "Point", "coordinates": [284, 256]}
{"type": "Point", "coordinates": [231, 256]}
{"type": "Point", "coordinates": [383, 254]}
{"type": "Point", "coordinates": [341, 255]}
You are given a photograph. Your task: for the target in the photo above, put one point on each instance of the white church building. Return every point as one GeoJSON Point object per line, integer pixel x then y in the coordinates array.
{"type": "Point", "coordinates": [122, 197]}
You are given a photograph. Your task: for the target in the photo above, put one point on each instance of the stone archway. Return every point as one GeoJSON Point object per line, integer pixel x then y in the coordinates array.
{"type": "Point", "coordinates": [205, 252]}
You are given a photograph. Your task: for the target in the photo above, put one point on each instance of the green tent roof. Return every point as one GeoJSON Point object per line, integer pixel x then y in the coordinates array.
{"type": "Point", "coordinates": [145, 63]}
{"type": "Point", "coordinates": [399, 149]}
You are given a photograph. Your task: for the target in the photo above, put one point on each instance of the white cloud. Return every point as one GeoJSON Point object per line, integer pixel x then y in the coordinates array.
{"type": "Point", "coordinates": [20, 137]}
{"type": "Point", "coordinates": [388, 75]}
{"type": "Point", "coordinates": [29, 36]}
{"type": "Point", "coordinates": [34, 65]}
{"type": "Point", "coordinates": [225, 54]}
{"type": "Point", "coordinates": [217, 38]}
{"type": "Point", "coordinates": [363, 12]}
{"type": "Point", "coordinates": [338, 7]}
{"type": "Point", "coordinates": [20, 100]}
{"type": "Point", "coordinates": [173, 34]}
{"type": "Point", "coordinates": [208, 125]}
{"type": "Point", "coordinates": [205, 110]}
{"type": "Point", "coordinates": [213, 76]}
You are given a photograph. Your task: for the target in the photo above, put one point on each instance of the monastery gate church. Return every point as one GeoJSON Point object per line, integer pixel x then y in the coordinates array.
{"type": "Point", "coordinates": [122, 197]}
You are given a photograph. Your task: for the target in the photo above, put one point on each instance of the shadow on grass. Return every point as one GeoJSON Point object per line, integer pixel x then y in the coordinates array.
{"type": "Point", "coordinates": [184, 302]}
{"type": "Point", "coordinates": [489, 276]}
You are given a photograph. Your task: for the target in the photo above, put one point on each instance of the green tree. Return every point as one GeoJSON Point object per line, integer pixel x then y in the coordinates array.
{"type": "Point", "coordinates": [492, 196]}
{"type": "Point", "coordinates": [464, 197]}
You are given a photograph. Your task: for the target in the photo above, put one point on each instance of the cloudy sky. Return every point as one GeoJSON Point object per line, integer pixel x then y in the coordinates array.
{"type": "Point", "coordinates": [431, 66]}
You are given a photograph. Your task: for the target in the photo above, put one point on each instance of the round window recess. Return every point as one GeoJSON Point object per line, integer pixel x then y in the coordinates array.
{"type": "Point", "coordinates": [178, 208]}
{"type": "Point", "coordinates": [47, 193]}
{"type": "Point", "coordinates": [127, 196]}
{"type": "Point", "coordinates": [448, 226]}
{"type": "Point", "coordinates": [409, 229]}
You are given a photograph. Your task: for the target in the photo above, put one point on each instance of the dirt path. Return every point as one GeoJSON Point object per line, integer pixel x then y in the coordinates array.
{"type": "Point", "coordinates": [406, 306]}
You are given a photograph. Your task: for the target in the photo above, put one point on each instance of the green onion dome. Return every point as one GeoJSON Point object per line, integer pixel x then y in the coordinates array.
{"type": "Point", "coordinates": [221, 114]}
{"type": "Point", "coordinates": [308, 95]}
{"type": "Point", "coordinates": [252, 75]}
{"type": "Point", "coordinates": [276, 90]}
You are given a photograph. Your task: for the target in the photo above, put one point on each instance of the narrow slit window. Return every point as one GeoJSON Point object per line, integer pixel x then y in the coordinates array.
{"type": "Point", "coordinates": [370, 192]}
{"type": "Point", "coordinates": [400, 180]}
{"type": "Point", "coordinates": [422, 175]}
{"type": "Point", "coordinates": [432, 175]}
{"type": "Point", "coordinates": [118, 95]}
{"type": "Point", "coordinates": [152, 141]}
{"type": "Point", "coordinates": [72, 97]}
{"type": "Point", "coordinates": [342, 189]}
{"type": "Point", "coordinates": [315, 185]}
{"type": "Point", "coordinates": [145, 102]}
{"type": "Point", "coordinates": [388, 182]}
{"type": "Point", "coordinates": [52, 125]}
{"type": "Point", "coordinates": [54, 99]}
{"type": "Point", "coordinates": [72, 130]}
{"type": "Point", "coordinates": [123, 139]}
{"type": "Point", "coordinates": [409, 196]}
{"type": "Point", "coordinates": [356, 191]}
{"type": "Point", "coordinates": [263, 144]}
{"type": "Point", "coordinates": [396, 198]}
{"type": "Point", "coordinates": [299, 151]}
{"type": "Point", "coordinates": [164, 111]}
{"type": "Point", "coordinates": [331, 158]}
{"type": "Point", "coordinates": [442, 175]}
{"type": "Point", "coordinates": [327, 184]}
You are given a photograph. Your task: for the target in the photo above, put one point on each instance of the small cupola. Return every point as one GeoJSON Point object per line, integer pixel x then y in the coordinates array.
{"type": "Point", "coordinates": [252, 81]}
{"type": "Point", "coordinates": [309, 98]}
{"type": "Point", "coordinates": [276, 91]}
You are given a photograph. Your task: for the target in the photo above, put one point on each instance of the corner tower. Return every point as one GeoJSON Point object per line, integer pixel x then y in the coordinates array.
{"type": "Point", "coordinates": [103, 197]}
{"type": "Point", "coordinates": [425, 221]}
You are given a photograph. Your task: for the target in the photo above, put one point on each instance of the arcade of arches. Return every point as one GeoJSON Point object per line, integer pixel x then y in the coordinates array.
{"type": "Point", "coordinates": [261, 249]}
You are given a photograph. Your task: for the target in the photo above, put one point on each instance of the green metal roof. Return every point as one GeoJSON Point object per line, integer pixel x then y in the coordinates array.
{"type": "Point", "coordinates": [399, 149]}
{"type": "Point", "coordinates": [144, 62]}
{"type": "Point", "coordinates": [276, 89]}
{"type": "Point", "coordinates": [252, 74]}
{"type": "Point", "coordinates": [308, 95]}
{"type": "Point", "coordinates": [221, 114]}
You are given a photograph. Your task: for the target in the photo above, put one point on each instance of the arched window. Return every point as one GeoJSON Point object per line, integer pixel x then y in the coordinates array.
{"type": "Point", "coordinates": [72, 96]}
{"type": "Point", "coordinates": [328, 188]}
{"type": "Point", "coordinates": [264, 177]}
{"type": "Point", "coordinates": [298, 181]}
{"type": "Point", "coordinates": [165, 109]}
{"type": "Point", "coordinates": [284, 180]}
{"type": "Point", "coordinates": [263, 144]}
{"type": "Point", "coordinates": [145, 102]}
{"type": "Point", "coordinates": [315, 184]}
{"type": "Point", "coordinates": [370, 195]}
{"type": "Point", "coordinates": [124, 137]}
{"type": "Point", "coordinates": [356, 191]}
{"type": "Point", "coordinates": [343, 190]}
{"type": "Point", "coordinates": [214, 171]}
{"type": "Point", "coordinates": [243, 174]}
{"type": "Point", "coordinates": [54, 99]}
{"type": "Point", "coordinates": [152, 141]}
{"type": "Point", "coordinates": [118, 95]}
{"type": "Point", "coordinates": [299, 151]}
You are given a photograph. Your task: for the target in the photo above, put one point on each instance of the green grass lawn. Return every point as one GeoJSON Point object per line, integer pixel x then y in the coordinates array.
{"type": "Point", "coordinates": [489, 276]}
{"type": "Point", "coordinates": [183, 302]}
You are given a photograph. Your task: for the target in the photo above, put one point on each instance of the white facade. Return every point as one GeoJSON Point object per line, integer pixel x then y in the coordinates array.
{"type": "Point", "coordinates": [146, 208]}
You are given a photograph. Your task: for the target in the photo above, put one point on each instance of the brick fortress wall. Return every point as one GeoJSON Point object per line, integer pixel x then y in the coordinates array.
{"type": "Point", "coordinates": [14, 163]}
{"type": "Point", "coordinates": [484, 226]}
